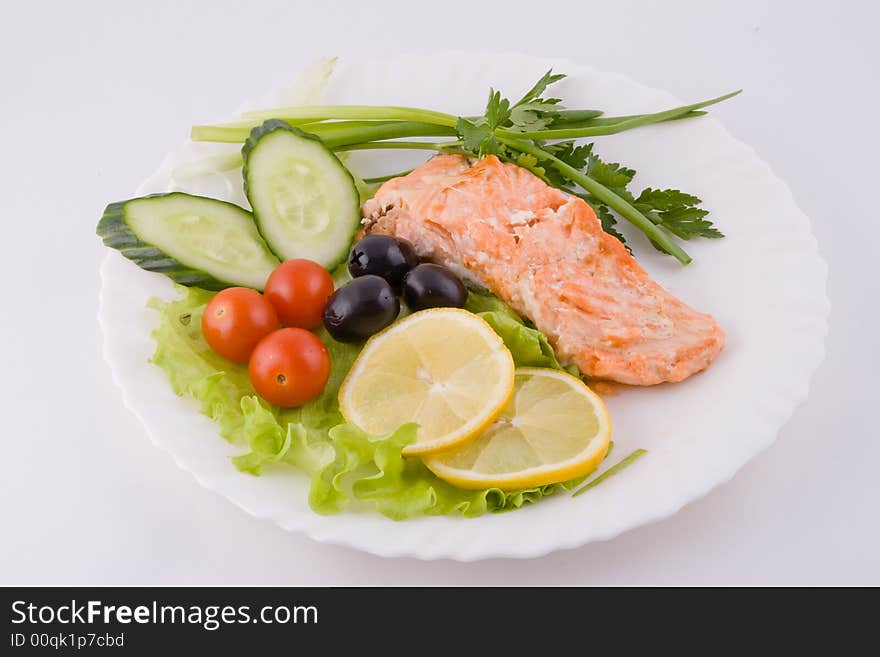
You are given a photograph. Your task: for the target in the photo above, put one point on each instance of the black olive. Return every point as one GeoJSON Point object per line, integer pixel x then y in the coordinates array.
{"type": "Point", "coordinates": [383, 256]}
{"type": "Point", "coordinates": [433, 286]}
{"type": "Point", "coordinates": [361, 308]}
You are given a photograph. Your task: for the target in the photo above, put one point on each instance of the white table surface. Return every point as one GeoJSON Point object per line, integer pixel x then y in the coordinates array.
{"type": "Point", "coordinates": [93, 96]}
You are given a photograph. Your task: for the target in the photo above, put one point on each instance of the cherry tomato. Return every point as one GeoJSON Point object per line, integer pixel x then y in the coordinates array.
{"type": "Point", "coordinates": [289, 367]}
{"type": "Point", "coordinates": [235, 320]}
{"type": "Point", "coordinates": [299, 289]}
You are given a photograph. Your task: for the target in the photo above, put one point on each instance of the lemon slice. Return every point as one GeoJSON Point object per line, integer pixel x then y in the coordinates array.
{"type": "Point", "coordinates": [554, 429]}
{"type": "Point", "coordinates": [443, 368]}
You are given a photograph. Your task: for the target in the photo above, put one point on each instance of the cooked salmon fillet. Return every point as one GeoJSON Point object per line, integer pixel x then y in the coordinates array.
{"type": "Point", "coordinates": [545, 253]}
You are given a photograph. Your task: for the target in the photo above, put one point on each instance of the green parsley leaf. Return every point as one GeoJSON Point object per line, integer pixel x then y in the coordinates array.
{"type": "Point", "coordinates": [540, 105]}
{"type": "Point", "coordinates": [497, 109]}
{"type": "Point", "coordinates": [687, 223]}
{"type": "Point", "coordinates": [532, 112]}
{"type": "Point", "coordinates": [472, 133]}
{"type": "Point", "coordinates": [536, 115]}
{"type": "Point", "coordinates": [609, 223]}
{"type": "Point", "coordinates": [524, 120]}
{"type": "Point", "coordinates": [678, 212]}
{"type": "Point", "coordinates": [666, 199]}
{"type": "Point", "coordinates": [529, 162]}
{"type": "Point", "coordinates": [575, 156]}
{"type": "Point", "coordinates": [610, 174]}
{"type": "Point", "coordinates": [540, 86]}
{"type": "Point", "coordinates": [477, 137]}
{"type": "Point", "coordinates": [526, 161]}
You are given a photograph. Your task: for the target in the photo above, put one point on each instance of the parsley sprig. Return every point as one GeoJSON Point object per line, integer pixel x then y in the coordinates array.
{"type": "Point", "coordinates": [519, 133]}
{"type": "Point", "coordinates": [674, 210]}
{"type": "Point", "coordinates": [536, 132]}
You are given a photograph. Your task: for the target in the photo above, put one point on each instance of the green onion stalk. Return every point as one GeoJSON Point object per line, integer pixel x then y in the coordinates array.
{"type": "Point", "coordinates": [367, 127]}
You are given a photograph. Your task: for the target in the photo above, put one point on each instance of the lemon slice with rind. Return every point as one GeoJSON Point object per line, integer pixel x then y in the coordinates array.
{"type": "Point", "coordinates": [554, 429]}
{"type": "Point", "coordinates": [443, 368]}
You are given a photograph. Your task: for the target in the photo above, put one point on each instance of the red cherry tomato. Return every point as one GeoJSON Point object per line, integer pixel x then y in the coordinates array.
{"type": "Point", "coordinates": [289, 367]}
{"type": "Point", "coordinates": [299, 289]}
{"type": "Point", "coordinates": [235, 320]}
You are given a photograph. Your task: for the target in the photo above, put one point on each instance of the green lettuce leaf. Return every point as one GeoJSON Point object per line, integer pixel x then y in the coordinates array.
{"type": "Point", "coordinates": [348, 468]}
{"type": "Point", "coordinates": [193, 369]}
{"type": "Point", "coordinates": [529, 347]}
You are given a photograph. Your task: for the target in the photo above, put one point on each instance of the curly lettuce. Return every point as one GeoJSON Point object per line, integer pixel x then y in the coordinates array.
{"type": "Point", "coordinates": [530, 347]}
{"type": "Point", "coordinates": [348, 468]}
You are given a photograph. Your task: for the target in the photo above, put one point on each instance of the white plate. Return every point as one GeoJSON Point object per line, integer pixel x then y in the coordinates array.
{"type": "Point", "coordinates": [765, 283]}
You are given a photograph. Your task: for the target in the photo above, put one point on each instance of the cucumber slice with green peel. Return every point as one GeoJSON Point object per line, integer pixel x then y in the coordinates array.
{"type": "Point", "coordinates": [194, 240]}
{"type": "Point", "coordinates": [305, 201]}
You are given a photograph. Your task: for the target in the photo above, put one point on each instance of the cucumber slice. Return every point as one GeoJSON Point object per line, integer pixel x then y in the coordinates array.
{"type": "Point", "coordinates": [304, 199]}
{"type": "Point", "coordinates": [195, 241]}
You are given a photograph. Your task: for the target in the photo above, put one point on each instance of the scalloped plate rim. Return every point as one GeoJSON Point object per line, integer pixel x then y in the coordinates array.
{"type": "Point", "coordinates": [525, 550]}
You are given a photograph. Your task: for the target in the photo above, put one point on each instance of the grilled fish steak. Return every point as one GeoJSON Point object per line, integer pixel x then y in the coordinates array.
{"type": "Point", "coordinates": [543, 252]}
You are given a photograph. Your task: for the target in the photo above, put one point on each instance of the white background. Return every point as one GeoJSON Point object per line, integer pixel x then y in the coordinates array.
{"type": "Point", "coordinates": [92, 95]}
